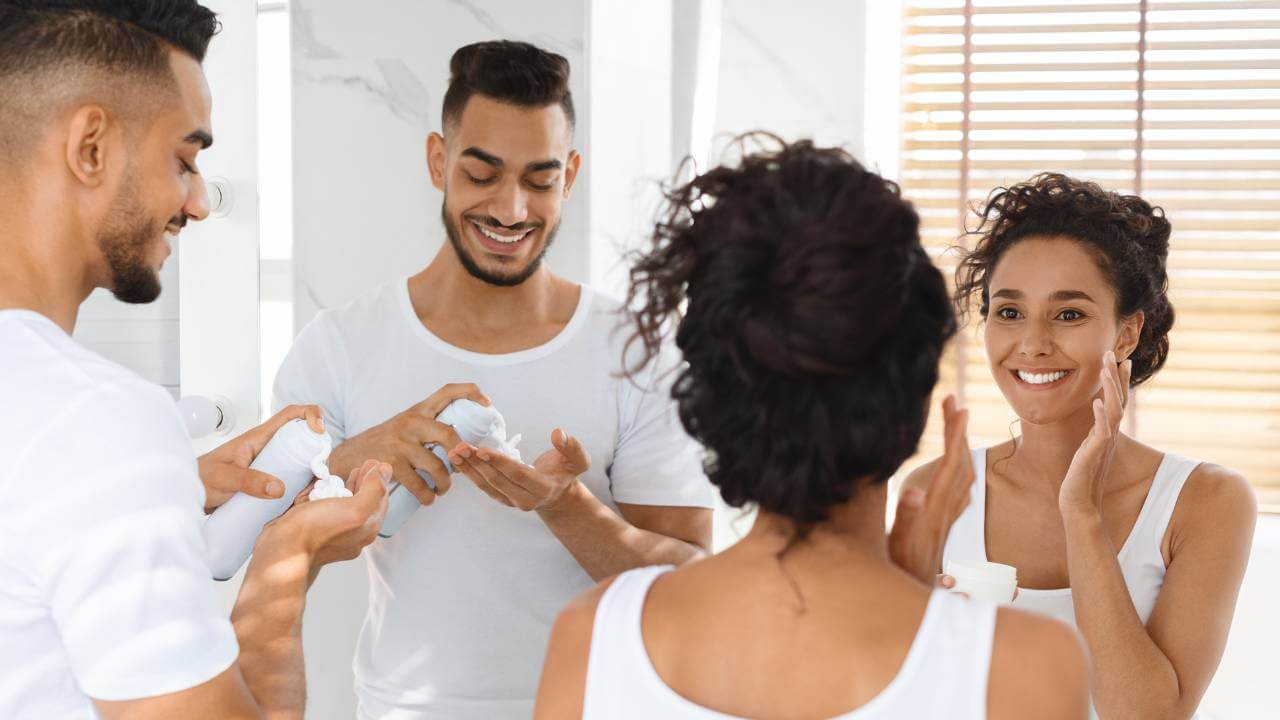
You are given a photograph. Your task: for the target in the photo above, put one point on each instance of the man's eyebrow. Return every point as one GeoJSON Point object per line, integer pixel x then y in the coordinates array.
{"type": "Point", "coordinates": [484, 157]}
{"type": "Point", "coordinates": [541, 165]}
{"type": "Point", "coordinates": [200, 137]}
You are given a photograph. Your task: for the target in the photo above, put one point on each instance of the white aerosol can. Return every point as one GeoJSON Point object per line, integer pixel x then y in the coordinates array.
{"type": "Point", "coordinates": [231, 531]}
{"type": "Point", "coordinates": [476, 424]}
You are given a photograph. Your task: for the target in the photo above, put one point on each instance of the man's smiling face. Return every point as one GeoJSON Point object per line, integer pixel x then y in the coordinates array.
{"type": "Point", "coordinates": [505, 172]}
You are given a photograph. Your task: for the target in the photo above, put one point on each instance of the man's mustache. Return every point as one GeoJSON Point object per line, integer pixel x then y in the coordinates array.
{"type": "Point", "coordinates": [490, 221]}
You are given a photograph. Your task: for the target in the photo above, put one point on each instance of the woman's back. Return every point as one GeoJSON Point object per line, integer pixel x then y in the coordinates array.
{"type": "Point", "coordinates": [854, 637]}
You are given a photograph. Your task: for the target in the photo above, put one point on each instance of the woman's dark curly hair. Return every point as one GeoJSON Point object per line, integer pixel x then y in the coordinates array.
{"type": "Point", "coordinates": [1128, 238]}
{"type": "Point", "coordinates": [813, 327]}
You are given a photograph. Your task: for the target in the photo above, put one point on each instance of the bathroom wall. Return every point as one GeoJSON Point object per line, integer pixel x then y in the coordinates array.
{"type": "Point", "coordinates": [795, 69]}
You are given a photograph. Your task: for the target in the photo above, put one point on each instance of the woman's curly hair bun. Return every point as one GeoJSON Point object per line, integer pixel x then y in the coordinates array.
{"type": "Point", "coordinates": [810, 318]}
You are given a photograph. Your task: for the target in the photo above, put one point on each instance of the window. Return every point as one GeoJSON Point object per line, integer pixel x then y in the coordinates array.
{"type": "Point", "coordinates": [1176, 101]}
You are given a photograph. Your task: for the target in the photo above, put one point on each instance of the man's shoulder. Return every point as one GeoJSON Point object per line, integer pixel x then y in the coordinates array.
{"type": "Point", "coordinates": [364, 313]}
{"type": "Point", "coordinates": [51, 371]}
{"type": "Point", "coordinates": [74, 412]}
{"type": "Point", "coordinates": [606, 319]}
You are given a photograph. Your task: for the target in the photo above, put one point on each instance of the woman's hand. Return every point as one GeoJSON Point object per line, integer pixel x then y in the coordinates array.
{"type": "Point", "coordinates": [1082, 487]}
{"type": "Point", "coordinates": [925, 514]}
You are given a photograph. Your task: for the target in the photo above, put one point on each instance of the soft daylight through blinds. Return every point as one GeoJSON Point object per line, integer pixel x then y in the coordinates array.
{"type": "Point", "coordinates": [1176, 101]}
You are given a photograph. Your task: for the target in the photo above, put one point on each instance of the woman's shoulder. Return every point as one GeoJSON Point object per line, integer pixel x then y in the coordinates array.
{"type": "Point", "coordinates": [1210, 494]}
{"type": "Point", "coordinates": [1213, 498]}
{"type": "Point", "coordinates": [919, 477]}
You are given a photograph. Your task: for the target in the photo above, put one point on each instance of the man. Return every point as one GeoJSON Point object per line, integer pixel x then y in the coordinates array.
{"type": "Point", "coordinates": [464, 595]}
{"type": "Point", "coordinates": [107, 607]}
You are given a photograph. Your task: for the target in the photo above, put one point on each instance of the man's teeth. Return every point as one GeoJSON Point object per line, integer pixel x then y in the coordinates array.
{"type": "Point", "coordinates": [508, 239]}
{"type": "Point", "coordinates": [1041, 378]}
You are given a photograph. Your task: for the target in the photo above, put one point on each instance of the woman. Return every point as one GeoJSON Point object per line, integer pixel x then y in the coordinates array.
{"type": "Point", "coordinates": [812, 333]}
{"type": "Point", "coordinates": [1142, 550]}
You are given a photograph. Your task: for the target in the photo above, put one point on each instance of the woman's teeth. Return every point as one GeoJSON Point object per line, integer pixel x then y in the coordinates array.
{"type": "Point", "coordinates": [1041, 378]}
{"type": "Point", "coordinates": [507, 239]}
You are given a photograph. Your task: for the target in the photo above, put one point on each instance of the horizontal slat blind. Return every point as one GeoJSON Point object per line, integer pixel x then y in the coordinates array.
{"type": "Point", "coordinates": [1176, 101]}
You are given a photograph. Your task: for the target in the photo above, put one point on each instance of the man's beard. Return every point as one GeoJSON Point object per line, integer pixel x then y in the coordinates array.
{"type": "Point", "coordinates": [479, 273]}
{"type": "Point", "coordinates": [124, 239]}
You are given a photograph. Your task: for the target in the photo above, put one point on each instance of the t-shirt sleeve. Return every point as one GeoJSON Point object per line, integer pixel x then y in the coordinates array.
{"type": "Point", "coordinates": [655, 461]}
{"type": "Point", "coordinates": [315, 373]}
{"type": "Point", "coordinates": [113, 538]}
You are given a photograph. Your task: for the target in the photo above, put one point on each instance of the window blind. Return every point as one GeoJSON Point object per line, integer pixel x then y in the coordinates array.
{"type": "Point", "coordinates": [1176, 101]}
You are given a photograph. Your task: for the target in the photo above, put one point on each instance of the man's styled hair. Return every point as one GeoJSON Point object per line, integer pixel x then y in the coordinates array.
{"type": "Point", "coordinates": [115, 52]}
{"type": "Point", "coordinates": [508, 71]}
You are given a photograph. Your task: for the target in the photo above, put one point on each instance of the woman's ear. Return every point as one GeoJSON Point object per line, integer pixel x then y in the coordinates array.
{"type": "Point", "coordinates": [1130, 333]}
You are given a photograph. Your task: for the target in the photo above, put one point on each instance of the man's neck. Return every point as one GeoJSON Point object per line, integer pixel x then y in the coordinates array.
{"type": "Point", "coordinates": [42, 269]}
{"type": "Point", "coordinates": [448, 299]}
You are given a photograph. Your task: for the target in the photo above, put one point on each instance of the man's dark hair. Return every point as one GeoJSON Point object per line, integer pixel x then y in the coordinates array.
{"type": "Point", "coordinates": [58, 51]}
{"type": "Point", "coordinates": [511, 72]}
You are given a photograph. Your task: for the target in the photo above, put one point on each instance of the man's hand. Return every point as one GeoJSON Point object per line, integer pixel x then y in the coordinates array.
{"type": "Point", "coordinates": [225, 469]}
{"type": "Point", "coordinates": [527, 487]}
{"type": "Point", "coordinates": [334, 529]}
{"type": "Point", "coordinates": [925, 515]}
{"type": "Point", "coordinates": [402, 440]}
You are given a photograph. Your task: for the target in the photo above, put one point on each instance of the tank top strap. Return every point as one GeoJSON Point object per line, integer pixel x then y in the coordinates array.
{"type": "Point", "coordinates": [618, 659]}
{"type": "Point", "coordinates": [967, 538]}
{"type": "Point", "coordinates": [952, 653]}
{"type": "Point", "coordinates": [1153, 520]}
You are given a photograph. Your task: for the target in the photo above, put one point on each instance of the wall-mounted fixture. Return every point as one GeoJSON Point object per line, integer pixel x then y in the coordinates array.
{"type": "Point", "coordinates": [204, 416]}
{"type": "Point", "coordinates": [222, 197]}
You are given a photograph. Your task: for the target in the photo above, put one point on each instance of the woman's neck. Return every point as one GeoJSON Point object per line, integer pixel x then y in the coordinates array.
{"type": "Point", "coordinates": [1044, 451]}
{"type": "Point", "coordinates": [856, 527]}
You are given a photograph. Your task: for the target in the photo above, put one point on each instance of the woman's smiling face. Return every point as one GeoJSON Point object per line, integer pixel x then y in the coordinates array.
{"type": "Point", "coordinates": [1051, 316]}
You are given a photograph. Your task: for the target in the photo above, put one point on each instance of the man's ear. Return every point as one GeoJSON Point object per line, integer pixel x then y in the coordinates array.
{"type": "Point", "coordinates": [571, 171]}
{"type": "Point", "coordinates": [435, 159]}
{"type": "Point", "coordinates": [88, 144]}
{"type": "Point", "coordinates": [1130, 333]}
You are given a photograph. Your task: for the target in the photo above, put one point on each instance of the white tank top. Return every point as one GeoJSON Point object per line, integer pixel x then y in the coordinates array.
{"type": "Point", "coordinates": [944, 674]}
{"type": "Point", "coordinates": [1141, 562]}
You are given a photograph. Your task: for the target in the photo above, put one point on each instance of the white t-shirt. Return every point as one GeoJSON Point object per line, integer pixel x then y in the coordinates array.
{"type": "Point", "coordinates": [104, 587]}
{"type": "Point", "coordinates": [463, 597]}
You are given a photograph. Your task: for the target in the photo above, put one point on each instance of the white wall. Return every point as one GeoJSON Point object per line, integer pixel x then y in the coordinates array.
{"type": "Point", "coordinates": [795, 69]}
{"type": "Point", "coordinates": [629, 152]}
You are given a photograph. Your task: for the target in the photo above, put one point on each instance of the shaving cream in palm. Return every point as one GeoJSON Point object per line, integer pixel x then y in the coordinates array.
{"type": "Point", "coordinates": [476, 425]}
{"type": "Point", "coordinates": [327, 485]}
